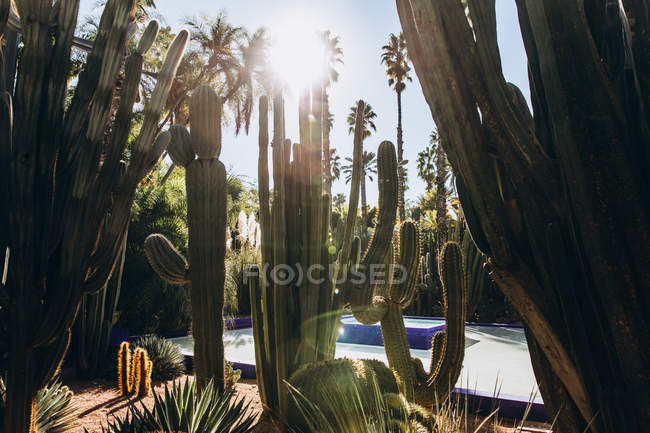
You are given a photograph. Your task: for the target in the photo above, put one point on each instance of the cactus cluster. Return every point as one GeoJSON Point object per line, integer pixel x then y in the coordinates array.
{"type": "Point", "coordinates": [66, 191]}
{"type": "Point", "coordinates": [92, 329]}
{"type": "Point", "coordinates": [205, 180]}
{"type": "Point", "coordinates": [133, 371]}
{"type": "Point", "coordinates": [447, 352]}
{"type": "Point", "coordinates": [295, 320]}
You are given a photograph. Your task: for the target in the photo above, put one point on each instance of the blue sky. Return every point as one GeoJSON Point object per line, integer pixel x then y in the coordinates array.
{"type": "Point", "coordinates": [363, 26]}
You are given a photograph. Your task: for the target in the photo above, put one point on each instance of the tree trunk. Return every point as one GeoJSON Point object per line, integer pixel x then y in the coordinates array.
{"type": "Point", "coordinates": [400, 158]}
{"type": "Point", "coordinates": [327, 163]}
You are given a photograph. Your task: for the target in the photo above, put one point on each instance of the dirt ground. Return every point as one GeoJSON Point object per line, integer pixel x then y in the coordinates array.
{"type": "Point", "coordinates": [99, 400]}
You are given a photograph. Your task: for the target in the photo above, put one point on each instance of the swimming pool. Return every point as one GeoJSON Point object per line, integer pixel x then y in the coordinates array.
{"type": "Point", "coordinates": [496, 362]}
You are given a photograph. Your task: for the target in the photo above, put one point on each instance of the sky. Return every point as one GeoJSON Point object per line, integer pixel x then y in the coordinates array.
{"type": "Point", "coordinates": [364, 27]}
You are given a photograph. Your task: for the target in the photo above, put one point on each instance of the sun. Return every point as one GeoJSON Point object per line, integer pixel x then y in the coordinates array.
{"type": "Point", "coordinates": [297, 56]}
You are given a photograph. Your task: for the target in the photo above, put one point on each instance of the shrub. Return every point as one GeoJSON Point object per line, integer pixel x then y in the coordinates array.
{"type": "Point", "coordinates": [168, 361]}
{"type": "Point", "coordinates": [181, 408]}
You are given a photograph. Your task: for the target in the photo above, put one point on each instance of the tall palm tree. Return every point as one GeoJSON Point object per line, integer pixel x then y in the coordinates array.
{"type": "Point", "coordinates": [442, 192]}
{"type": "Point", "coordinates": [334, 168]}
{"type": "Point", "coordinates": [368, 127]}
{"type": "Point", "coordinates": [228, 58]}
{"type": "Point", "coordinates": [395, 57]}
{"type": "Point", "coordinates": [369, 117]}
{"type": "Point", "coordinates": [368, 168]}
{"type": "Point", "coordinates": [333, 56]}
{"type": "Point", "coordinates": [241, 93]}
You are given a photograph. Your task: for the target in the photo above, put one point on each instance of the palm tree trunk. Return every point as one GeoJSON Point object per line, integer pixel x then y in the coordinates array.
{"type": "Point", "coordinates": [441, 197]}
{"type": "Point", "coordinates": [400, 156]}
{"type": "Point", "coordinates": [326, 146]}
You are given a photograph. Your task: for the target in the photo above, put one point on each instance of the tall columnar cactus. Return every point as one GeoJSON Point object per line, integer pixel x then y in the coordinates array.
{"type": "Point", "coordinates": [66, 194]}
{"type": "Point", "coordinates": [296, 301]}
{"type": "Point", "coordinates": [557, 197]}
{"type": "Point", "coordinates": [205, 179]}
{"type": "Point", "coordinates": [92, 329]}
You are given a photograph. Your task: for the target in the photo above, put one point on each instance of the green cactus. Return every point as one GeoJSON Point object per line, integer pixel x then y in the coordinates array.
{"type": "Point", "coordinates": [205, 180]}
{"type": "Point", "coordinates": [133, 371]}
{"type": "Point", "coordinates": [448, 346]}
{"type": "Point", "coordinates": [92, 329]}
{"type": "Point", "coordinates": [295, 323]}
{"type": "Point", "coordinates": [67, 194]}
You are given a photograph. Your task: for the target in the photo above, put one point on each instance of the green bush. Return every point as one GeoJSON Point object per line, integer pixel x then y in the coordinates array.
{"type": "Point", "coordinates": [147, 304]}
{"type": "Point", "coordinates": [182, 409]}
{"type": "Point", "coordinates": [168, 361]}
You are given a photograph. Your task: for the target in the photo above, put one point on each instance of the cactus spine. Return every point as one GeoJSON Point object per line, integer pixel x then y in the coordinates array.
{"type": "Point", "coordinates": [133, 371]}
{"type": "Point", "coordinates": [205, 179]}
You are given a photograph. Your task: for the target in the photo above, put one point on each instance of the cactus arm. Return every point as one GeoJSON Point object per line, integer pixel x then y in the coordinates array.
{"type": "Point", "coordinates": [263, 365]}
{"type": "Point", "coordinates": [403, 291]}
{"type": "Point", "coordinates": [205, 117]}
{"type": "Point", "coordinates": [180, 147]}
{"type": "Point", "coordinates": [156, 104]}
{"type": "Point", "coordinates": [123, 368]}
{"type": "Point", "coordinates": [360, 296]}
{"type": "Point", "coordinates": [437, 350]}
{"type": "Point", "coordinates": [279, 230]}
{"type": "Point", "coordinates": [263, 177]}
{"type": "Point", "coordinates": [441, 381]}
{"type": "Point", "coordinates": [397, 348]}
{"type": "Point", "coordinates": [168, 263]}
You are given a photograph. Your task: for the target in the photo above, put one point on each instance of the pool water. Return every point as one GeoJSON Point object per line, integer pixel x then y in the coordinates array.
{"type": "Point", "coordinates": [409, 322]}
{"type": "Point", "coordinates": [496, 358]}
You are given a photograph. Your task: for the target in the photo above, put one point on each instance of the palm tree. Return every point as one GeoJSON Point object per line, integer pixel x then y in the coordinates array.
{"type": "Point", "coordinates": [333, 56]}
{"type": "Point", "coordinates": [442, 193]}
{"type": "Point", "coordinates": [368, 119]}
{"type": "Point", "coordinates": [368, 127]}
{"type": "Point", "coordinates": [368, 168]}
{"type": "Point", "coordinates": [227, 57]}
{"type": "Point", "coordinates": [241, 92]}
{"type": "Point", "coordinates": [339, 200]}
{"type": "Point", "coordinates": [395, 57]}
{"type": "Point", "coordinates": [334, 168]}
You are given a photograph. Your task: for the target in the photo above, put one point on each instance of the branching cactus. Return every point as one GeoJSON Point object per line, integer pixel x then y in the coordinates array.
{"type": "Point", "coordinates": [296, 302]}
{"type": "Point", "coordinates": [205, 179]}
{"type": "Point", "coordinates": [65, 190]}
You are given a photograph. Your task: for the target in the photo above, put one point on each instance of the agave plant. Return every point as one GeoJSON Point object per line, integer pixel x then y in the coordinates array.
{"type": "Point", "coordinates": [182, 409]}
{"type": "Point", "coordinates": [54, 413]}
{"type": "Point", "coordinates": [168, 361]}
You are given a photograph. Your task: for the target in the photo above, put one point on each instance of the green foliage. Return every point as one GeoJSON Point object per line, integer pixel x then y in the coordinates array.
{"type": "Point", "coordinates": [237, 290]}
{"type": "Point", "coordinates": [183, 409]}
{"type": "Point", "coordinates": [148, 304]}
{"type": "Point", "coordinates": [54, 413]}
{"type": "Point", "coordinates": [368, 119]}
{"type": "Point", "coordinates": [395, 57]}
{"type": "Point", "coordinates": [168, 361]}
